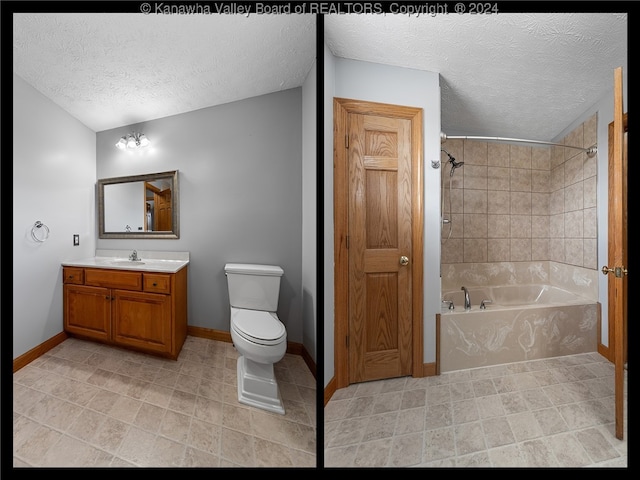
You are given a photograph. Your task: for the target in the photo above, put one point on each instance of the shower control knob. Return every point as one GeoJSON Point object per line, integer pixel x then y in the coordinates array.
{"type": "Point", "coordinates": [404, 260]}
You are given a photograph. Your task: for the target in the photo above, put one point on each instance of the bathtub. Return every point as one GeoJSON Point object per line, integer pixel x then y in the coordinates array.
{"type": "Point", "coordinates": [521, 322]}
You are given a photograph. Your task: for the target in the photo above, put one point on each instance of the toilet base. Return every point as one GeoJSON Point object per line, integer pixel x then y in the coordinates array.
{"type": "Point", "coordinates": [257, 385]}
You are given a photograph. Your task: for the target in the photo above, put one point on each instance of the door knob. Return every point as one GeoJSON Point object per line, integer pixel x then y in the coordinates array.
{"type": "Point", "coordinates": [618, 271]}
{"type": "Point", "coordinates": [404, 260]}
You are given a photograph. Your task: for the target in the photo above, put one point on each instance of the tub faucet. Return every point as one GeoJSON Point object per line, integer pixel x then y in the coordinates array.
{"type": "Point", "coordinates": [134, 256]}
{"type": "Point", "coordinates": [467, 300]}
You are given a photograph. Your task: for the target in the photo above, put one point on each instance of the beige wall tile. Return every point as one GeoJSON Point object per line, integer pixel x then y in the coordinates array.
{"type": "Point", "coordinates": [556, 181]}
{"type": "Point", "coordinates": [475, 225]}
{"type": "Point", "coordinates": [520, 226]}
{"type": "Point", "coordinates": [520, 157]}
{"type": "Point", "coordinates": [540, 226]}
{"type": "Point", "coordinates": [573, 170]}
{"type": "Point", "coordinates": [540, 181]}
{"type": "Point", "coordinates": [541, 158]}
{"type": "Point", "coordinates": [520, 203]}
{"type": "Point", "coordinates": [520, 249]}
{"type": "Point", "coordinates": [590, 222]}
{"type": "Point", "coordinates": [498, 154]}
{"type": "Point", "coordinates": [498, 250]}
{"type": "Point", "coordinates": [590, 130]}
{"type": "Point", "coordinates": [540, 203]}
{"type": "Point", "coordinates": [590, 194]}
{"type": "Point", "coordinates": [573, 251]}
{"type": "Point", "coordinates": [475, 201]}
{"type": "Point", "coordinates": [590, 253]}
{"type": "Point", "coordinates": [475, 153]}
{"type": "Point", "coordinates": [520, 180]}
{"type": "Point", "coordinates": [498, 178]}
{"type": "Point", "coordinates": [475, 177]}
{"type": "Point", "coordinates": [574, 197]}
{"type": "Point", "coordinates": [498, 226]}
{"type": "Point", "coordinates": [498, 202]}
{"type": "Point", "coordinates": [475, 250]}
{"type": "Point", "coordinates": [539, 249]}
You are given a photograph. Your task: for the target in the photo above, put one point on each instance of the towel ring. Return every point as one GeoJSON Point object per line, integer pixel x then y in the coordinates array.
{"type": "Point", "coordinates": [36, 228]}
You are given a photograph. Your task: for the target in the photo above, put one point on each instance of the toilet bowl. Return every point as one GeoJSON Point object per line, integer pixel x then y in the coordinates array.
{"type": "Point", "coordinates": [261, 340]}
{"type": "Point", "coordinates": [257, 333]}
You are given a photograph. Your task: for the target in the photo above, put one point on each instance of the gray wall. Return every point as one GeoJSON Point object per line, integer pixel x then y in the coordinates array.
{"type": "Point", "coordinates": [241, 200]}
{"type": "Point", "coordinates": [309, 213]}
{"type": "Point", "coordinates": [240, 174]}
{"type": "Point", "coordinates": [53, 181]}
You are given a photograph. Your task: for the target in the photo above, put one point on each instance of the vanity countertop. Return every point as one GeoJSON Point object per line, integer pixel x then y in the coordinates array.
{"type": "Point", "coordinates": [149, 261]}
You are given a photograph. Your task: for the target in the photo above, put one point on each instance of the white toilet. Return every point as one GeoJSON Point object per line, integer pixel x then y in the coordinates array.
{"type": "Point", "coordinates": [257, 333]}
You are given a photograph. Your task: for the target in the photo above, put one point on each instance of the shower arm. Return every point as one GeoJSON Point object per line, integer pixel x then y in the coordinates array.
{"type": "Point", "coordinates": [591, 151]}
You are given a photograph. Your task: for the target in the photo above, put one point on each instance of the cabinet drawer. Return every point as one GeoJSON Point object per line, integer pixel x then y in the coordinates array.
{"type": "Point", "coordinates": [113, 279]}
{"type": "Point", "coordinates": [156, 283]}
{"type": "Point", "coordinates": [73, 275]}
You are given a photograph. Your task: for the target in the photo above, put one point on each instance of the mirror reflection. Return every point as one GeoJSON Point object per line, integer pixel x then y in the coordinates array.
{"type": "Point", "coordinates": [140, 206]}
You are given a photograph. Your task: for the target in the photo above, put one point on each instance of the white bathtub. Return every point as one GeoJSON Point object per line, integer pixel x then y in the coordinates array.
{"type": "Point", "coordinates": [522, 322]}
{"type": "Point", "coordinates": [514, 295]}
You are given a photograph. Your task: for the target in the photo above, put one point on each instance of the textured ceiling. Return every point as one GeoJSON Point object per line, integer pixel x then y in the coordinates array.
{"type": "Point", "coordinates": [518, 75]}
{"type": "Point", "coordinates": [508, 75]}
{"type": "Point", "coordinates": [114, 69]}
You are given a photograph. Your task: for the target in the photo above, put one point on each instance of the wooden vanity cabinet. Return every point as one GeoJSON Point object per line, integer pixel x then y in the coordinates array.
{"type": "Point", "coordinates": [145, 311]}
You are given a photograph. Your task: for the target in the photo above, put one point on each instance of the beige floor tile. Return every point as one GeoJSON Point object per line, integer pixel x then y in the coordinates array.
{"type": "Point", "coordinates": [84, 404]}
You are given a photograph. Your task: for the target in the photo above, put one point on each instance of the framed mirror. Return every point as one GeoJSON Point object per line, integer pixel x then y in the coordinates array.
{"type": "Point", "coordinates": [139, 206]}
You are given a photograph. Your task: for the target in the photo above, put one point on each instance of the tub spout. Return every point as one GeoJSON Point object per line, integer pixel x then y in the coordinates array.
{"type": "Point", "coordinates": [467, 300]}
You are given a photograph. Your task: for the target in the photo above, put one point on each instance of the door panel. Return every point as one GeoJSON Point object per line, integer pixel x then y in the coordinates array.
{"type": "Point", "coordinates": [378, 219]}
{"type": "Point", "coordinates": [380, 233]}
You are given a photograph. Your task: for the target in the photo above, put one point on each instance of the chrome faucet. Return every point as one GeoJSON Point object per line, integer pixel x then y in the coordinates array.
{"type": "Point", "coordinates": [467, 300]}
{"type": "Point", "coordinates": [134, 256]}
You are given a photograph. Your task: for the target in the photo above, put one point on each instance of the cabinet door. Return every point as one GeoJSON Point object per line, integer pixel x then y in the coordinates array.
{"type": "Point", "coordinates": [87, 311]}
{"type": "Point", "coordinates": [142, 320]}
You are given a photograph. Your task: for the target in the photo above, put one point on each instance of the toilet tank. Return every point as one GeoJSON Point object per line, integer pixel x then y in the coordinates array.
{"type": "Point", "coordinates": [253, 286]}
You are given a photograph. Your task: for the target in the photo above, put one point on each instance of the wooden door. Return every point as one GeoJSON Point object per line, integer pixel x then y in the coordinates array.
{"type": "Point", "coordinates": [616, 269]}
{"type": "Point", "coordinates": [382, 258]}
{"type": "Point", "coordinates": [163, 214]}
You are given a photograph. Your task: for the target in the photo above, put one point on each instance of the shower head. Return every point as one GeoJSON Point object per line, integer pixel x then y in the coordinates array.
{"type": "Point", "coordinates": [454, 164]}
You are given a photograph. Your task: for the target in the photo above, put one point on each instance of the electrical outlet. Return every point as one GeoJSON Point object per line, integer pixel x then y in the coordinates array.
{"type": "Point", "coordinates": [76, 239]}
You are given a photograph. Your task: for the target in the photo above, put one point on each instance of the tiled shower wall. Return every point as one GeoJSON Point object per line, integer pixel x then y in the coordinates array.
{"type": "Point", "coordinates": [513, 203]}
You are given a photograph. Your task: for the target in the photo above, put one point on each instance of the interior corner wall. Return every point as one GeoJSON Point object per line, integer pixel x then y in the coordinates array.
{"type": "Point", "coordinates": [328, 317]}
{"type": "Point", "coordinates": [309, 214]}
{"type": "Point", "coordinates": [240, 184]}
{"type": "Point", "coordinates": [54, 173]}
{"type": "Point", "coordinates": [603, 108]}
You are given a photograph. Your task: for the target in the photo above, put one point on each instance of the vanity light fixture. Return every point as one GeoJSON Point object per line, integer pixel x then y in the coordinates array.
{"type": "Point", "coordinates": [132, 140]}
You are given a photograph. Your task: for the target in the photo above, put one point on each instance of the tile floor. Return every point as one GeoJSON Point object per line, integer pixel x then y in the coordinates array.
{"type": "Point", "coordinates": [84, 404]}
{"type": "Point", "coordinates": [555, 412]}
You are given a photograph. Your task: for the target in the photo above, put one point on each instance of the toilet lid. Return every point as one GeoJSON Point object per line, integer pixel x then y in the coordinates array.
{"type": "Point", "coordinates": [258, 326]}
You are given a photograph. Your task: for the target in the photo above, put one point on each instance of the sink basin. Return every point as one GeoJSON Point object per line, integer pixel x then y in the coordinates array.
{"type": "Point", "coordinates": [129, 263]}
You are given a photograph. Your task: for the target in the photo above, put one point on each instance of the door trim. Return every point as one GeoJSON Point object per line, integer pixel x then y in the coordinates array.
{"type": "Point", "coordinates": [342, 107]}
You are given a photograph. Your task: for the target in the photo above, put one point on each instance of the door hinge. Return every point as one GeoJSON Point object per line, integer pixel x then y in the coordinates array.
{"type": "Point", "coordinates": [346, 141]}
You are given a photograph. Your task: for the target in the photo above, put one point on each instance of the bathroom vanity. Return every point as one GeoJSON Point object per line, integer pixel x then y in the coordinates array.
{"type": "Point", "coordinates": [138, 304]}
